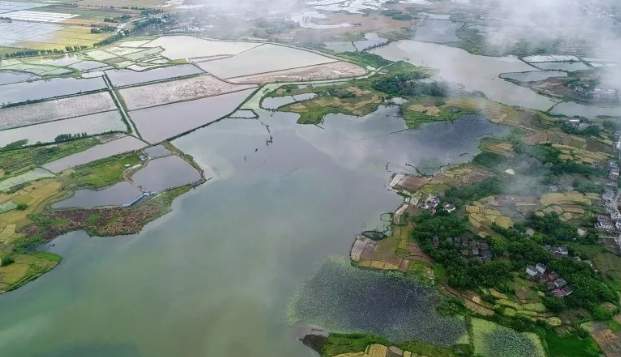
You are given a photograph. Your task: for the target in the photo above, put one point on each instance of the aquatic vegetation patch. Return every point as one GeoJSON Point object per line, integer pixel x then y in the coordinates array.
{"type": "Point", "coordinates": [492, 340]}
{"type": "Point", "coordinates": [343, 298]}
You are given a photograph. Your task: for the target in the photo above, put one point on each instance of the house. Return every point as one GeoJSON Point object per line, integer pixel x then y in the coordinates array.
{"type": "Point", "coordinates": [560, 251]}
{"type": "Point", "coordinates": [558, 293]}
{"type": "Point", "coordinates": [615, 215]}
{"type": "Point", "coordinates": [356, 250]}
{"type": "Point", "coordinates": [465, 252]}
{"type": "Point", "coordinates": [614, 174]}
{"type": "Point", "coordinates": [550, 286]}
{"type": "Point", "coordinates": [608, 196]}
{"type": "Point", "coordinates": [618, 225]}
{"type": "Point", "coordinates": [143, 158]}
{"type": "Point", "coordinates": [475, 251]}
{"type": "Point", "coordinates": [530, 232]}
{"type": "Point", "coordinates": [531, 271]}
{"type": "Point", "coordinates": [541, 268]}
{"type": "Point", "coordinates": [567, 291]}
{"type": "Point", "coordinates": [604, 226]}
{"type": "Point", "coordinates": [436, 242]}
{"type": "Point", "coordinates": [552, 276]}
{"type": "Point", "coordinates": [487, 255]}
{"type": "Point", "coordinates": [582, 232]}
{"type": "Point", "coordinates": [574, 122]}
{"type": "Point", "coordinates": [560, 282]}
{"type": "Point", "coordinates": [448, 207]}
{"type": "Point", "coordinates": [483, 246]}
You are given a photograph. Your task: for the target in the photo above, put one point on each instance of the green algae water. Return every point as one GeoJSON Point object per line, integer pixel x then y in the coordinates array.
{"type": "Point", "coordinates": [215, 276]}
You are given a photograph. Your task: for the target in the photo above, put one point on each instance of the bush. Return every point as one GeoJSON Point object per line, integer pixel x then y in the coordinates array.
{"type": "Point", "coordinates": [22, 206]}
{"type": "Point", "coordinates": [602, 314]}
{"type": "Point", "coordinates": [5, 259]}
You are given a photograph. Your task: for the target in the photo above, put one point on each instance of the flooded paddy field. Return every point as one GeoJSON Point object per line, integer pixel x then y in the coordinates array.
{"type": "Point", "coordinates": [343, 298]}
{"type": "Point", "coordinates": [334, 70]}
{"type": "Point", "coordinates": [111, 148]}
{"type": "Point", "coordinates": [116, 195]}
{"type": "Point", "coordinates": [243, 114]}
{"type": "Point", "coordinates": [42, 112]}
{"type": "Point", "coordinates": [474, 72]}
{"type": "Point", "coordinates": [176, 47]}
{"type": "Point", "coordinates": [533, 76]}
{"type": "Point", "coordinates": [125, 77]}
{"type": "Point", "coordinates": [562, 66]}
{"type": "Point", "coordinates": [175, 91]}
{"type": "Point", "coordinates": [32, 175]}
{"type": "Point", "coordinates": [340, 46]}
{"type": "Point", "coordinates": [47, 132]}
{"type": "Point", "coordinates": [165, 173]}
{"type": "Point", "coordinates": [89, 65]}
{"type": "Point", "coordinates": [262, 59]}
{"type": "Point", "coordinates": [438, 31]}
{"type": "Point", "coordinates": [159, 123]}
{"type": "Point", "coordinates": [9, 77]}
{"type": "Point", "coordinates": [57, 87]}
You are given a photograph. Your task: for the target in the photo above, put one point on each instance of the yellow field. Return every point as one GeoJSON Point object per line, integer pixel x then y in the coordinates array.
{"type": "Point", "coordinates": [13, 273]}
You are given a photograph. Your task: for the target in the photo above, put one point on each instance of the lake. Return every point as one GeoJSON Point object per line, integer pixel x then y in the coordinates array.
{"type": "Point", "coordinates": [215, 276]}
{"type": "Point", "coordinates": [474, 72]}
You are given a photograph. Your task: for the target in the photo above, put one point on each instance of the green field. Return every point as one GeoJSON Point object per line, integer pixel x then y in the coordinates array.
{"type": "Point", "coordinates": [103, 173]}
{"type": "Point", "coordinates": [493, 340]}
{"type": "Point", "coordinates": [570, 346]}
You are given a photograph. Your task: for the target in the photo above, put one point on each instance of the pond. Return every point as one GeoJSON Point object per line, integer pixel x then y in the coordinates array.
{"type": "Point", "coordinates": [215, 276]}
{"type": "Point", "coordinates": [533, 76]}
{"type": "Point", "coordinates": [116, 195]}
{"type": "Point", "coordinates": [474, 72]}
{"type": "Point", "coordinates": [8, 77]}
{"type": "Point", "coordinates": [125, 77]}
{"type": "Point", "coordinates": [35, 90]}
{"type": "Point", "coordinates": [165, 173]}
{"type": "Point", "coordinates": [438, 31]}
{"type": "Point", "coordinates": [370, 40]}
{"type": "Point", "coordinates": [587, 111]}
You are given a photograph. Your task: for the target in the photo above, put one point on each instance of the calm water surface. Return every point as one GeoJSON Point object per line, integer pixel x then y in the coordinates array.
{"type": "Point", "coordinates": [214, 277]}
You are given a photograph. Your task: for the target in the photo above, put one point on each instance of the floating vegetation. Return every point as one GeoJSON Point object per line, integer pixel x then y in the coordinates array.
{"type": "Point", "coordinates": [347, 299]}
{"type": "Point", "coordinates": [492, 340]}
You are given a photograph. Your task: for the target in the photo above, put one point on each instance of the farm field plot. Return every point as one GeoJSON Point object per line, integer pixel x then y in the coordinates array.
{"type": "Point", "coordinates": [265, 58]}
{"type": "Point", "coordinates": [47, 132]}
{"type": "Point", "coordinates": [492, 340]}
{"type": "Point", "coordinates": [57, 87]}
{"type": "Point", "coordinates": [176, 47]}
{"type": "Point", "coordinates": [45, 35]}
{"type": "Point", "coordinates": [32, 175]}
{"type": "Point", "coordinates": [98, 152]}
{"type": "Point", "coordinates": [42, 112]}
{"type": "Point", "coordinates": [334, 70]}
{"type": "Point", "coordinates": [120, 77]}
{"type": "Point", "coordinates": [41, 70]}
{"type": "Point", "coordinates": [159, 123]}
{"type": "Point", "coordinates": [175, 91]}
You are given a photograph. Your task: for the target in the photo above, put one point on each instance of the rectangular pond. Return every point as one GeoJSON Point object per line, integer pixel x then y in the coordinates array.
{"type": "Point", "coordinates": [533, 76]}
{"type": "Point", "coordinates": [36, 113]}
{"type": "Point", "coordinates": [126, 77]}
{"type": "Point", "coordinates": [49, 88]}
{"type": "Point", "coordinates": [156, 124]}
{"type": "Point", "coordinates": [111, 148]}
{"type": "Point", "coordinates": [47, 132]}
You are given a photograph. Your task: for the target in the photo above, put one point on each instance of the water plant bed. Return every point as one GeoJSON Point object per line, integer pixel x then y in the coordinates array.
{"type": "Point", "coordinates": [343, 298]}
{"type": "Point", "coordinates": [37, 113]}
{"type": "Point", "coordinates": [493, 340]}
{"type": "Point", "coordinates": [176, 91]}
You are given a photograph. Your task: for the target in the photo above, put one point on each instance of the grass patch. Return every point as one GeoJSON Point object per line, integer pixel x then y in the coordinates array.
{"type": "Point", "coordinates": [338, 343]}
{"type": "Point", "coordinates": [103, 173]}
{"type": "Point", "coordinates": [429, 109]}
{"type": "Point", "coordinates": [571, 346]}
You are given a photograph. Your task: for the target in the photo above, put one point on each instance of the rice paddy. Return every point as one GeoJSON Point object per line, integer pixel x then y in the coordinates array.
{"type": "Point", "coordinates": [57, 87]}
{"type": "Point", "coordinates": [176, 91]}
{"type": "Point", "coordinates": [98, 152]}
{"type": "Point", "coordinates": [120, 78]}
{"type": "Point", "coordinates": [92, 124]}
{"type": "Point", "coordinates": [342, 298]}
{"type": "Point", "coordinates": [492, 340]}
{"type": "Point", "coordinates": [156, 124]}
{"type": "Point", "coordinates": [262, 59]}
{"type": "Point", "coordinates": [42, 112]}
